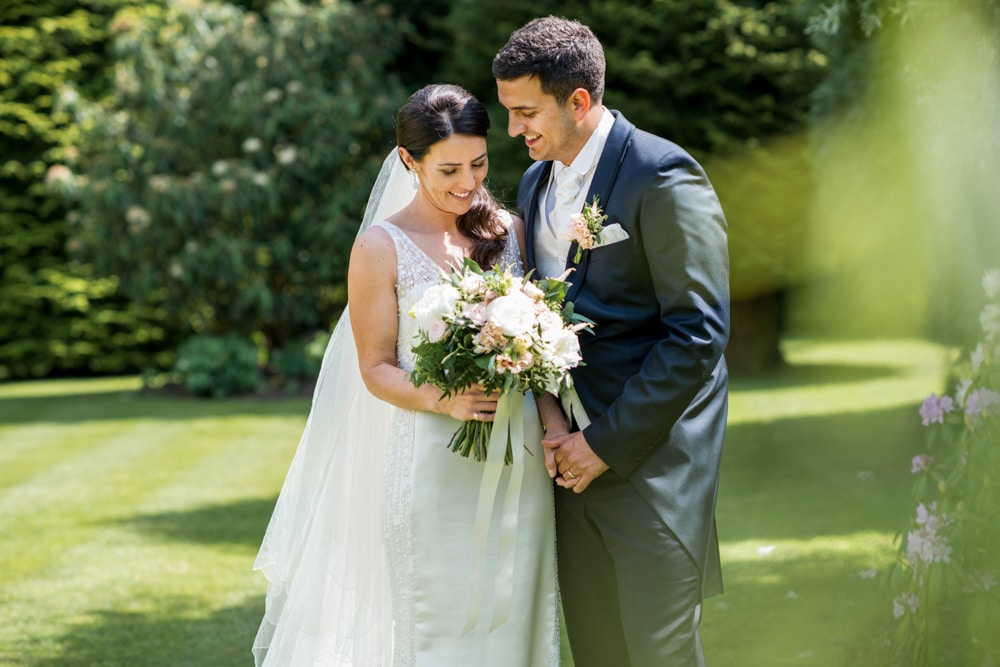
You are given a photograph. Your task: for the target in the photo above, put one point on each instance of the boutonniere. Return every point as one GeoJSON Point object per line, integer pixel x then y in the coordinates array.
{"type": "Point", "coordinates": [585, 228]}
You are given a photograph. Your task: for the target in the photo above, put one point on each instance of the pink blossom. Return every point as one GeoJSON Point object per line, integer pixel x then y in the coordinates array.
{"type": "Point", "coordinates": [437, 331]}
{"type": "Point", "coordinates": [921, 463]}
{"type": "Point", "coordinates": [928, 516]}
{"type": "Point", "coordinates": [579, 231]}
{"type": "Point", "coordinates": [475, 312]}
{"type": "Point", "coordinates": [982, 403]}
{"type": "Point", "coordinates": [489, 338]}
{"type": "Point", "coordinates": [532, 290]}
{"type": "Point", "coordinates": [934, 409]}
{"type": "Point", "coordinates": [903, 603]}
{"type": "Point", "coordinates": [927, 544]}
{"type": "Point", "coordinates": [507, 364]}
{"type": "Point", "coordinates": [59, 179]}
{"type": "Point", "coordinates": [991, 283]}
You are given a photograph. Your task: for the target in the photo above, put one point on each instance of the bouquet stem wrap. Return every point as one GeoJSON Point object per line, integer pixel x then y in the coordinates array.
{"type": "Point", "coordinates": [508, 426]}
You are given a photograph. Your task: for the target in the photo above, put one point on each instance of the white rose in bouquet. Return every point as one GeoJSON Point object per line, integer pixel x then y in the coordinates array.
{"type": "Point", "coordinates": [513, 313]}
{"type": "Point", "coordinates": [437, 303]}
{"type": "Point", "coordinates": [565, 347]}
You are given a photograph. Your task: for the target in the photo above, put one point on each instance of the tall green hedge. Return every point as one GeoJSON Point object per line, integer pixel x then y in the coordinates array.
{"type": "Point", "coordinates": [54, 319]}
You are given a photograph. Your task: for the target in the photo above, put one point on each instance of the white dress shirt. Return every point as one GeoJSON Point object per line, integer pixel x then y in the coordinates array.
{"type": "Point", "coordinates": [551, 242]}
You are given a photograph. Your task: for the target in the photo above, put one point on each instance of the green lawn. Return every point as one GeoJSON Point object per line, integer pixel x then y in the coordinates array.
{"type": "Point", "coordinates": [130, 522]}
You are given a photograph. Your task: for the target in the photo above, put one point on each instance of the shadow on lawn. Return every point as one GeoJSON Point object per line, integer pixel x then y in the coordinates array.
{"type": "Point", "coordinates": [114, 405]}
{"type": "Point", "coordinates": [239, 523]}
{"type": "Point", "coordinates": [800, 478]}
{"type": "Point", "coordinates": [801, 375]}
{"type": "Point", "coordinates": [165, 637]}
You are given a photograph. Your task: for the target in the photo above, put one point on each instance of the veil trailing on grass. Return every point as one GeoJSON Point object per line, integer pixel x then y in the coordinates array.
{"type": "Point", "coordinates": [328, 596]}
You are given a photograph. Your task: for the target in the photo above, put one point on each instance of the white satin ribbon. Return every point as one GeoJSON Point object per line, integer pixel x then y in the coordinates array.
{"type": "Point", "coordinates": [573, 407]}
{"type": "Point", "coordinates": [508, 421]}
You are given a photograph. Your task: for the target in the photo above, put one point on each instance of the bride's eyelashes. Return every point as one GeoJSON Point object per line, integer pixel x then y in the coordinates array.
{"type": "Point", "coordinates": [452, 172]}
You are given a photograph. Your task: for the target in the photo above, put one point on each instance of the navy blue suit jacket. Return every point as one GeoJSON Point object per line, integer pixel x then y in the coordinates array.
{"type": "Point", "coordinates": [655, 382]}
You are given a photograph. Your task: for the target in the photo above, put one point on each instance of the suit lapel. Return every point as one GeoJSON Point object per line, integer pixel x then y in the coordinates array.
{"type": "Point", "coordinates": [601, 185]}
{"type": "Point", "coordinates": [529, 209]}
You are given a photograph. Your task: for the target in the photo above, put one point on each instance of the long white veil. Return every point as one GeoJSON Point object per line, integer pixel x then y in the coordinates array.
{"type": "Point", "coordinates": [328, 597]}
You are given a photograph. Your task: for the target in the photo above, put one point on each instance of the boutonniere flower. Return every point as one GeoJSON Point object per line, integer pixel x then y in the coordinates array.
{"type": "Point", "coordinates": [585, 228]}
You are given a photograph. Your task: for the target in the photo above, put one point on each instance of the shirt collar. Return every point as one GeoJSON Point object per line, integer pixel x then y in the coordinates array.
{"type": "Point", "coordinates": [588, 156]}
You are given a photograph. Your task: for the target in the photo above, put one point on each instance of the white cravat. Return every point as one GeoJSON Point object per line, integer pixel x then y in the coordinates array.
{"type": "Point", "coordinates": [553, 244]}
{"type": "Point", "coordinates": [570, 184]}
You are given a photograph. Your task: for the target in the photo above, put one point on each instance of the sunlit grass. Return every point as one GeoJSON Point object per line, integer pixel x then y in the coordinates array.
{"type": "Point", "coordinates": [130, 521]}
{"type": "Point", "coordinates": [815, 485]}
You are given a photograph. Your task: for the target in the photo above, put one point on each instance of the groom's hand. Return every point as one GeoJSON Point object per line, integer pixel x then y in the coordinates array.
{"type": "Point", "coordinates": [575, 461]}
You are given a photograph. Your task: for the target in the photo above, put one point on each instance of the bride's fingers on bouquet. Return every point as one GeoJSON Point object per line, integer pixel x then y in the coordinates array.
{"type": "Point", "coordinates": [482, 415]}
{"type": "Point", "coordinates": [484, 391]}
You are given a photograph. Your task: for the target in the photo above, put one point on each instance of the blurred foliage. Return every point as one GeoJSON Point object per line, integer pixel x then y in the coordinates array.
{"type": "Point", "coordinates": [59, 323]}
{"type": "Point", "coordinates": [219, 366]}
{"type": "Point", "coordinates": [728, 81]}
{"type": "Point", "coordinates": [946, 577]}
{"type": "Point", "coordinates": [426, 41]}
{"type": "Point", "coordinates": [298, 363]}
{"type": "Point", "coordinates": [907, 215]}
{"type": "Point", "coordinates": [230, 167]}
{"type": "Point", "coordinates": [54, 318]}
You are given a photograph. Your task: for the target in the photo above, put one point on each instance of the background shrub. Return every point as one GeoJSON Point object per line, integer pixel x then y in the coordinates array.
{"type": "Point", "coordinates": [219, 366]}
{"type": "Point", "coordinates": [55, 317]}
{"type": "Point", "coordinates": [228, 172]}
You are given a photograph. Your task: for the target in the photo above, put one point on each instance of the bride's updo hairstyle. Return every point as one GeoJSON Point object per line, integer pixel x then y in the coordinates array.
{"type": "Point", "coordinates": [432, 114]}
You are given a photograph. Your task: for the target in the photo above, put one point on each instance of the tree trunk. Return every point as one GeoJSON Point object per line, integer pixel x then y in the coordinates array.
{"type": "Point", "coordinates": [755, 334]}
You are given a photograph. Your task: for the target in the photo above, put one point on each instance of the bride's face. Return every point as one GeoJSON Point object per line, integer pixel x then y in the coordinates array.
{"type": "Point", "coordinates": [452, 171]}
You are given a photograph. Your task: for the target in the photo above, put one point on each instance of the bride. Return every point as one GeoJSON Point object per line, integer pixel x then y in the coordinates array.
{"type": "Point", "coordinates": [380, 550]}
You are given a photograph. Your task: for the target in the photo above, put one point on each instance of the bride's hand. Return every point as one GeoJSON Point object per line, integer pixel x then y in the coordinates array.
{"type": "Point", "coordinates": [473, 404]}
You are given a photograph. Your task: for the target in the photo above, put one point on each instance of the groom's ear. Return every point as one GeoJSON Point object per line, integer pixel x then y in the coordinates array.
{"type": "Point", "coordinates": [579, 103]}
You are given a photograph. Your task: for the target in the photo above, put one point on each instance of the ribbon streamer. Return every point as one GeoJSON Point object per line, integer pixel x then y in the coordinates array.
{"type": "Point", "coordinates": [508, 421]}
{"type": "Point", "coordinates": [573, 407]}
{"type": "Point", "coordinates": [504, 588]}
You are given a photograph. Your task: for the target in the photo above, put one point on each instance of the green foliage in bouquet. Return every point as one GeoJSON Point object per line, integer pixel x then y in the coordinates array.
{"type": "Point", "coordinates": [948, 574]}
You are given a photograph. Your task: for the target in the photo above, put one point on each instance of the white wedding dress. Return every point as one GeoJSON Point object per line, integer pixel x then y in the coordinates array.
{"type": "Point", "coordinates": [431, 506]}
{"type": "Point", "coordinates": [369, 553]}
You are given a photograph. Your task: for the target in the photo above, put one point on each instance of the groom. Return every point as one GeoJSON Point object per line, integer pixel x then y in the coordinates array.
{"type": "Point", "coordinates": [635, 524]}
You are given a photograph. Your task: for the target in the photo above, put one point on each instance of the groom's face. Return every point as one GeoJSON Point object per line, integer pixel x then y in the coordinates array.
{"type": "Point", "coordinates": [547, 126]}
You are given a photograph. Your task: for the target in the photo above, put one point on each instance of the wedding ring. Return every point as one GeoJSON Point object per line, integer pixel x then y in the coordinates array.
{"type": "Point", "coordinates": [569, 473]}
{"type": "Point", "coordinates": [475, 415]}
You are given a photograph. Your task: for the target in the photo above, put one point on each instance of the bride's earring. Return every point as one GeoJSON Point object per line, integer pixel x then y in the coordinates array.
{"type": "Point", "coordinates": [416, 181]}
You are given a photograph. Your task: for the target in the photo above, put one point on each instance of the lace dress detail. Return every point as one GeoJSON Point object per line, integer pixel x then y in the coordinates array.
{"type": "Point", "coordinates": [415, 272]}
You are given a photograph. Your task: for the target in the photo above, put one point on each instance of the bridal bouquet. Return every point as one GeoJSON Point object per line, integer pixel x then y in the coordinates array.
{"type": "Point", "coordinates": [504, 332]}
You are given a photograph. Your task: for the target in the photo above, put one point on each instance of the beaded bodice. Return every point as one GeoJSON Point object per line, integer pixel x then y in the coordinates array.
{"type": "Point", "coordinates": [415, 272]}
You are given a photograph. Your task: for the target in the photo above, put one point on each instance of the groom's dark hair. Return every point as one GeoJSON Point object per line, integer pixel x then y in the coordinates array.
{"type": "Point", "coordinates": [563, 53]}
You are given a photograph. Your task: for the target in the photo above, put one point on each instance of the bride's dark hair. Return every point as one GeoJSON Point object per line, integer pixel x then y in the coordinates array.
{"type": "Point", "coordinates": [434, 113]}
